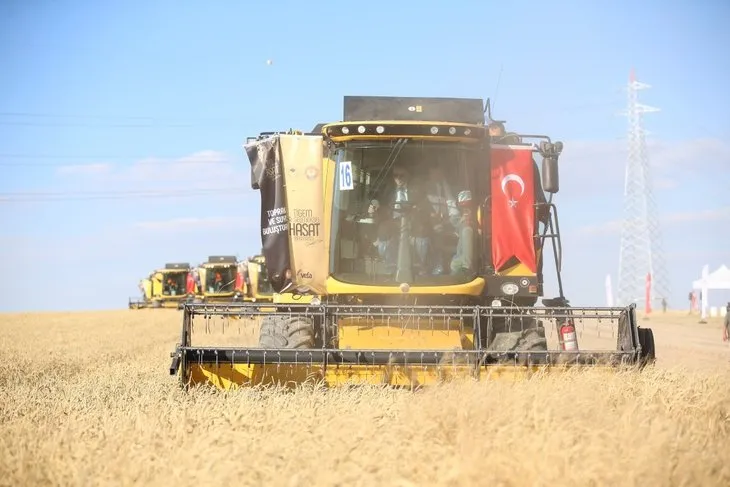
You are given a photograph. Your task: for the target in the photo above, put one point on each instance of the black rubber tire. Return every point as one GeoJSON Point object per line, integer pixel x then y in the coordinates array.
{"type": "Point", "coordinates": [332, 333]}
{"type": "Point", "coordinates": [289, 332]}
{"type": "Point", "coordinates": [648, 351]}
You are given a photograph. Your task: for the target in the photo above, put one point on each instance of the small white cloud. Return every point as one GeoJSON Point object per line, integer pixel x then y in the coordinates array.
{"type": "Point", "coordinates": [695, 216]}
{"type": "Point", "coordinates": [614, 226]}
{"type": "Point", "coordinates": [701, 253]}
{"type": "Point", "coordinates": [690, 155]}
{"type": "Point", "coordinates": [665, 184]}
{"type": "Point", "coordinates": [598, 167]}
{"type": "Point", "coordinates": [86, 169]}
{"type": "Point", "coordinates": [206, 169]}
{"type": "Point", "coordinates": [195, 224]}
{"type": "Point", "coordinates": [606, 228]}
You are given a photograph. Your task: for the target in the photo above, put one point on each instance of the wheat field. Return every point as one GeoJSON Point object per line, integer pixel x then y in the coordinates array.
{"type": "Point", "coordinates": [87, 400]}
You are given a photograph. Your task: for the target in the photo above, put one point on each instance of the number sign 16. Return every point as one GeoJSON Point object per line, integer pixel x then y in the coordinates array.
{"type": "Point", "coordinates": [346, 182]}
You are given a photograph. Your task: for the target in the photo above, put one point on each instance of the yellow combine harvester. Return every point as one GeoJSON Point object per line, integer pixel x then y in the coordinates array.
{"type": "Point", "coordinates": [405, 245]}
{"type": "Point", "coordinates": [256, 285]}
{"type": "Point", "coordinates": [166, 288]}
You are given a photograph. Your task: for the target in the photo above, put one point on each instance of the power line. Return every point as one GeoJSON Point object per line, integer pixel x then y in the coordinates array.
{"type": "Point", "coordinates": [122, 125]}
{"type": "Point", "coordinates": [148, 160]}
{"type": "Point", "coordinates": [102, 117]}
{"type": "Point", "coordinates": [73, 120]}
{"type": "Point", "coordinates": [27, 197]}
{"type": "Point", "coordinates": [20, 155]}
{"type": "Point", "coordinates": [148, 121]}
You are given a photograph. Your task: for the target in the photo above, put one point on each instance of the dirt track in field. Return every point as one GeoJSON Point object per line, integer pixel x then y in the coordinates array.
{"type": "Point", "coordinates": [87, 400]}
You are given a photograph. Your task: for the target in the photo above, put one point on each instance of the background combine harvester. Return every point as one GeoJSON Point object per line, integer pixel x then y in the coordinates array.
{"type": "Point", "coordinates": [257, 288]}
{"type": "Point", "coordinates": [165, 288]}
{"type": "Point", "coordinates": [220, 280]}
{"type": "Point", "coordinates": [383, 275]}
{"type": "Point", "coordinates": [223, 279]}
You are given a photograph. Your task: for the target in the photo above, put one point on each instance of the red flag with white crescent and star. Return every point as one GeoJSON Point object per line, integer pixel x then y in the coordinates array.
{"type": "Point", "coordinates": [190, 283]}
{"type": "Point", "coordinates": [513, 206]}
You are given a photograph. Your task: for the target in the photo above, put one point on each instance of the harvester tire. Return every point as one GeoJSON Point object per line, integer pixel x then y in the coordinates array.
{"type": "Point", "coordinates": [286, 332]}
{"type": "Point", "coordinates": [648, 352]}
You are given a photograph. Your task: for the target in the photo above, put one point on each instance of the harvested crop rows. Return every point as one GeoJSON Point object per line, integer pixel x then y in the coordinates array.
{"type": "Point", "coordinates": [86, 399]}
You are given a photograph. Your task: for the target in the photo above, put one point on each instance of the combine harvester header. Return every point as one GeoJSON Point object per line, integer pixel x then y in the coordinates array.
{"type": "Point", "coordinates": [405, 245]}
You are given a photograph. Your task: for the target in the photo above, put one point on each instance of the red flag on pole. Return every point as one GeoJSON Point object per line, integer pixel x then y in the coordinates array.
{"type": "Point", "coordinates": [513, 206]}
{"type": "Point", "coordinates": [190, 284]}
{"type": "Point", "coordinates": [648, 293]}
{"type": "Point", "coordinates": [239, 281]}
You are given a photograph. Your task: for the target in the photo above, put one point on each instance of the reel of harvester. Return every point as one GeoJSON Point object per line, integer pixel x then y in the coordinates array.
{"type": "Point", "coordinates": [400, 346]}
{"type": "Point", "coordinates": [137, 303]}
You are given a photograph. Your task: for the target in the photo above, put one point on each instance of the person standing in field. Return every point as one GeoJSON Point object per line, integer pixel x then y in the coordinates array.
{"type": "Point", "coordinates": [726, 326]}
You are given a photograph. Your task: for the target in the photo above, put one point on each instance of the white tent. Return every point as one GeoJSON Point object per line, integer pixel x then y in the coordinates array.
{"type": "Point", "coordinates": [718, 279]}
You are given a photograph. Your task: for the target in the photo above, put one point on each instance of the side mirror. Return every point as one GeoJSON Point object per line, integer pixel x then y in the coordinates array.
{"type": "Point", "coordinates": [550, 173]}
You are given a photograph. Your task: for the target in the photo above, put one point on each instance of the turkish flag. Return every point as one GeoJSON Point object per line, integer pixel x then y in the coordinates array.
{"type": "Point", "coordinates": [513, 206]}
{"type": "Point", "coordinates": [648, 294]}
{"type": "Point", "coordinates": [190, 284]}
{"type": "Point", "coordinates": [239, 281]}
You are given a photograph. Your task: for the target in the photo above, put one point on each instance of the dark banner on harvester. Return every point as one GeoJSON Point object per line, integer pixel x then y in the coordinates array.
{"type": "Point", "coordinates": [267, 175]}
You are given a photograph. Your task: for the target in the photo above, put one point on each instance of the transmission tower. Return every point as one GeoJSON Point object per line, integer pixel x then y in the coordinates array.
{"type": "Point", "coordinates": [641, 247]}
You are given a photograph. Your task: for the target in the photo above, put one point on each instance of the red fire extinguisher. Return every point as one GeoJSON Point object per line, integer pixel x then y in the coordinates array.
{"type": "Point", "coordinates": [568, 338]}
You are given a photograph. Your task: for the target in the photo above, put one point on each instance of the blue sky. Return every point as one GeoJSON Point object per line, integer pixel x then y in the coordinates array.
{"type": "Point", "coordinates": [158, 96]}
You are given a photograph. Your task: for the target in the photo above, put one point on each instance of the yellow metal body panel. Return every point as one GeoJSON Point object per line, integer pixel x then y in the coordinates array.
{"type": "Point", "coordinates": [425, 334]}
{"type": "Point", "coordinates": [403, 122]}
{"type": "Point", "coordinates": [519, 270]}
{"type": "Point", "coordinates": [328, 180]}
{"type": "Point", "coordinates": [433, 138]}
{"type": "Point", "coordinates": [147, 286]}
{"type": "Point", "coordinates": [473, 288]}
{"type": "Point", "coordinates": [226, 376]}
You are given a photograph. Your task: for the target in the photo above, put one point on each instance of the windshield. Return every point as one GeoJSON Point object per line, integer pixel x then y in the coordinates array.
{"type": "Point", "coordinates": [173, 283]}
{"type": "Point", "coordinates": [264, 284]}
{"type": "Point", "coordinates": [220, 279]}
{"type": "Point", "coordinates": [403, 212]}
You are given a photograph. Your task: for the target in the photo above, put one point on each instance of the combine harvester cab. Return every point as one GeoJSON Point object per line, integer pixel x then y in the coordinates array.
{"type": "Point", "coordinates": [169, 287]}
{"type": "Point", "coordinates": [382, 274]}
{"type": "Point", "coordinates": [220, 280]}
{"type": "Point", "coordinates": [256, 285]}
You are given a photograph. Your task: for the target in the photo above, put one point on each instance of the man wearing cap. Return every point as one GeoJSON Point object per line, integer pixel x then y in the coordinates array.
{"type": "Point", "coordinates": [218, 283]}
{"type": "Point", "coordinates": [444, 216]}
{"type": "Point", "coordinates": [410, 194]}
{"type": "Point", "coordinates": [463, 261]}
{"type": "Point", "coordinates": [171, 286]}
